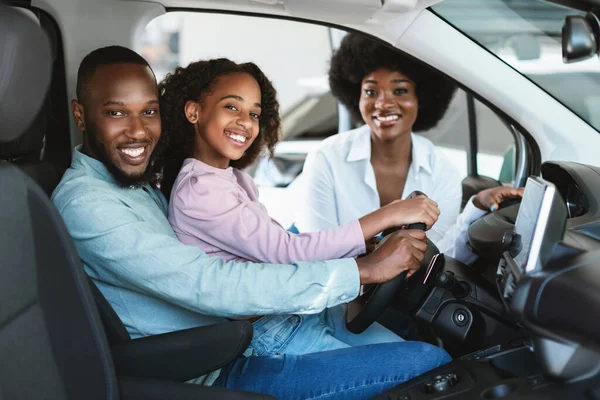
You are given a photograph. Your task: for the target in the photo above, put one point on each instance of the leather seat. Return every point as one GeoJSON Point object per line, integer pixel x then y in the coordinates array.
{"type": "Point", "coordinates": [52, 342]}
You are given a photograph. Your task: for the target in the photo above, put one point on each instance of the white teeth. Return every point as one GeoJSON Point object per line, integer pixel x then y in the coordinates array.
{"type": "Point", "coordinates": [133, 152]}
{"type": "Point", "coordinates": [388, 118]}
{"type": "Point", "coordinates": [237, 138]}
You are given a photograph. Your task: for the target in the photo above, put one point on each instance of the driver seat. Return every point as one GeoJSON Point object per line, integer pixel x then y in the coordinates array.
{"type": "Point", "coordinates": [52, 343]}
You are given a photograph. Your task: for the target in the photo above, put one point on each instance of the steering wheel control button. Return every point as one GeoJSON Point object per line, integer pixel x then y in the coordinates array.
{"type": "Point", "coordinates": [460, 317]}
{"type": "Point", "coordinates": [507, 239]}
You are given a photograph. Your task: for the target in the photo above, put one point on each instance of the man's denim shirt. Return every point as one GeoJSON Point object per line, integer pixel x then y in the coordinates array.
{"type": "Point", "coordinates": [157, 284]}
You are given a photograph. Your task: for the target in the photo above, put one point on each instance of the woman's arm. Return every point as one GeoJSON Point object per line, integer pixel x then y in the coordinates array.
{"type": "Point", "coordinates": [320, 207]}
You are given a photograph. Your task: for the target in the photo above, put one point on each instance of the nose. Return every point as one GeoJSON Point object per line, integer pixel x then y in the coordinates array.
{"type": "Point", "coordinates": [384, 100]}
{"type": "Point", "coordinates": [245, 121]}
{"type": "Point", "coordinates": [137, 128]}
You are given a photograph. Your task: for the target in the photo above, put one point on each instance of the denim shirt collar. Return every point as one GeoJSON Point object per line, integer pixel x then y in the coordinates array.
{"type": "Point", "coordinates": [87, 163]}
{"type": "Point", "coordinates": [360, 150]}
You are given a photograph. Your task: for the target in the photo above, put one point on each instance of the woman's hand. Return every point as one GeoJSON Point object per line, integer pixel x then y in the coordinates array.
{"type": "Point", "coordinates": [415, 210]}
{"type": "Point", "coordinates": [400, 213]}
{"type": "Point", "coordinates": [490, 199]}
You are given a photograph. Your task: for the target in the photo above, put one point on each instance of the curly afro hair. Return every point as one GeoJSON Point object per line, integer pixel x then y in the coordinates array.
{"type": "Point", "coordinates": [194, 82]}
{"type": "Point", "coordinates": [358, 56]}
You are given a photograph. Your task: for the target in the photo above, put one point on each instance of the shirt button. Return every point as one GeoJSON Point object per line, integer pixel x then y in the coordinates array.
{"type": "Point", "coordinates": [344, 297]}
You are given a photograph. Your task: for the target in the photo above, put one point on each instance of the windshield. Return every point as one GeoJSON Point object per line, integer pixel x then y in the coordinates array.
{"type": "Point", "coordinates": [526, 34]}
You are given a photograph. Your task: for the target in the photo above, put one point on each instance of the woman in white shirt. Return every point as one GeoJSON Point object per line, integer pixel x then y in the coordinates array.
{"type": "Point", "coordinates": [354, 173]}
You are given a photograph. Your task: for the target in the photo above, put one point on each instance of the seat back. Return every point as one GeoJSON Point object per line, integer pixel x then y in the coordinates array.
{"type": "Point", "coordinates": [23, 136]}
{"type": "Point", "coordinates": [113, 326]}
{"type": "Point", "coordinates": [52, 345]}
{"type": "Point", "coordinates": [25, 152]}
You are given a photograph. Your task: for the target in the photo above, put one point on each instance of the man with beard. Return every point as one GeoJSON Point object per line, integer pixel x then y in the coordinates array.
{"type": "Point", "coordinates": [156, 284]}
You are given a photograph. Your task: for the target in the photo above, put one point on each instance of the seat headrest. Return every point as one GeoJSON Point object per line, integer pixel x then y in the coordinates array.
{"type": "Point", "coordinates": [25, 67]}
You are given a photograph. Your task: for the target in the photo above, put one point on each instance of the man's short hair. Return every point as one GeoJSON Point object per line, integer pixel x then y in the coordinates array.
{"type": "Point", "coordinates": [105, 56]}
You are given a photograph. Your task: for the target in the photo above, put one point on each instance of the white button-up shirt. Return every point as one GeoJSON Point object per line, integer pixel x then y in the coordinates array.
{"type": "Point", "coordinates": [338, 185]}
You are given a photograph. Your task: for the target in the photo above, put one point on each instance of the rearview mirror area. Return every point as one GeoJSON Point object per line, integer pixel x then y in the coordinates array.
{"type": "Point", "coordinates": [580, 37]}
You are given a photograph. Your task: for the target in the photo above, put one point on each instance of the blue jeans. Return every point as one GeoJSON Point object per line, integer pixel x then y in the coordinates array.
{"type": "Point", "coordinates": [312, 333]}
{"type": "Point", "coordinates": [350, 373]}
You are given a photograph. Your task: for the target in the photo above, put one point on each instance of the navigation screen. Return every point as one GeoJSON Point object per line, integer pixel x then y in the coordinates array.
{"type": "Point", "coordinates": [531, 223]}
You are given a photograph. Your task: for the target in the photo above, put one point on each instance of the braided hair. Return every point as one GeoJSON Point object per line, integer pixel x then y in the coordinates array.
{"type": "Point", "coordinates": [195, 82]}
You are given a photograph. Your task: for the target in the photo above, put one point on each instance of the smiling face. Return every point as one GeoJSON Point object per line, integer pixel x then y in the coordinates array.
{"type": "Point", "coordinates": [388, 104]}
{"type": "Point", "coordinates": [120, 119]}
{"type": "Point", "coordinates": [226, 120]}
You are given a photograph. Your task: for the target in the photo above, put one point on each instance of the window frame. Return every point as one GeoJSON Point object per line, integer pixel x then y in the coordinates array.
{"type": "Point", "coordinates": [529, 162]}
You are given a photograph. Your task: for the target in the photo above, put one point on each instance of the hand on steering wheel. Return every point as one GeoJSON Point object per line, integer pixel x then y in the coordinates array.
{"type": "Point", "coordinates": [371, 303]}
{"type": "Point", "coordinates": [497, 197]}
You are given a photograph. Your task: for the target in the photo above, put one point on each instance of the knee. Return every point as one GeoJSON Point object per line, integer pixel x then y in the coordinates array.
{"type": "Point", "coordinates": [430, 355]}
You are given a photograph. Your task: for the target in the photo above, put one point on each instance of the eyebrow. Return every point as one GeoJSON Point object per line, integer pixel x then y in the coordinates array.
{"type": "Point", "coordinates": [122, 104]}
{"type": "Point", "coordinates": [393, 81]}
{"type": "Point", "coordinates": [238, 98]}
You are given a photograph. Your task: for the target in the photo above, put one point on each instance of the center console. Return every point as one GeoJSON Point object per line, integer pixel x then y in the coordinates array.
{"type": "Point", "coordinates": [500, 372]}
{"type": "Point", "coordinates": [540, 225]}
{"type": "Point", "coordinates": [540, 366]}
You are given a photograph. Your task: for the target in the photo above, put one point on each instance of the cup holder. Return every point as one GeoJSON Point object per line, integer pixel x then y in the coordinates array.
{"type": "Point", "coordinates": [499, 391]}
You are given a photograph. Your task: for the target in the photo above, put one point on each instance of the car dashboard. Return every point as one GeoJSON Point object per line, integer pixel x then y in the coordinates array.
{"type": "Point", "coordinates": [534, 331]}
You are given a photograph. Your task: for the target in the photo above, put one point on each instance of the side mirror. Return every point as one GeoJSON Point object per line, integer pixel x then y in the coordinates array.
{"type": "Point", "coordinates": [580, 37]}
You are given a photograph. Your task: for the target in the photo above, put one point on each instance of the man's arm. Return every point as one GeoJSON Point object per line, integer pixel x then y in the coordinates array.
{"type": "Point", "coordinates": [124, 250]}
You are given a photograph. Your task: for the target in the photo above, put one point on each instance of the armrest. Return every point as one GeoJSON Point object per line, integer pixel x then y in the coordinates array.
{"type": "Point", "coordinates": [183, 355]}
{"type": "Point", "coordinates": [142, 389]}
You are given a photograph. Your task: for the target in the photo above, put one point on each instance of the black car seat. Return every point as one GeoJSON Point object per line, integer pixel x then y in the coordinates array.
{"type": "Point", "coordinates": [52, 343]}
{"type": "Point", "coordinates": [25, 152]}
{"type": "Point", "coordinates": [27, 149]}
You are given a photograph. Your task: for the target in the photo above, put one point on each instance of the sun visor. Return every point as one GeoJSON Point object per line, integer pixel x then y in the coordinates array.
{"type": "Point", "coordinates": [347, 12]}
{"type": "Point", "coordinates": [404, 6]}
{"type": "Point", "coordinates": [337, 11]}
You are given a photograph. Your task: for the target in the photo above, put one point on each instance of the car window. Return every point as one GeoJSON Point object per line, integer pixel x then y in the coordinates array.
{"type": "Point", "coordinates": [495, 143]}
{"type": "Point", "coordinates": [527, 36]}
{"type": "Point", "coordinates": [297, 61]}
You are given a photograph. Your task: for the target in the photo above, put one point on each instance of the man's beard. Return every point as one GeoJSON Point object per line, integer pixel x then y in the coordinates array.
{"type": "Point", "coordinates": [124, 180]}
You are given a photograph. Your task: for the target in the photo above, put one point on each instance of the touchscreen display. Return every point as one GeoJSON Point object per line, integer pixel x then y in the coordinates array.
{"type": "Point", "coordinates": [532, 222]}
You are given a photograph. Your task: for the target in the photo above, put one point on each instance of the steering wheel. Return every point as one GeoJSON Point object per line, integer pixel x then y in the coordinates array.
{"type": "Point", "coordinates": [374, 299]}
{"type": "Point", "coordinates": [487, 233]}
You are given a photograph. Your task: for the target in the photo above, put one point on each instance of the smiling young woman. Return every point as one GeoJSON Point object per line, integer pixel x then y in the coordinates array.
{"type": "Point", "coordinates": [383, 160]}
